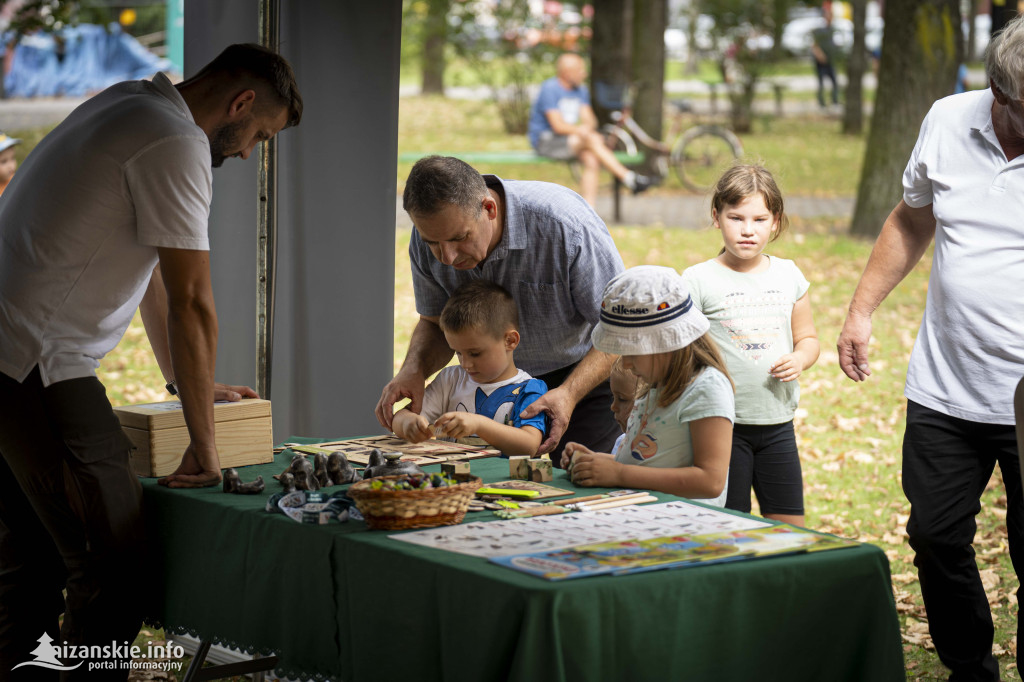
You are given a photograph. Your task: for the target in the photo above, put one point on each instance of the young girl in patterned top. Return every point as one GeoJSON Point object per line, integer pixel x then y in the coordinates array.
{"type": "Point", "coordinates": [679, 432]}
{"type": "Point", "coordinates": [760, 316]}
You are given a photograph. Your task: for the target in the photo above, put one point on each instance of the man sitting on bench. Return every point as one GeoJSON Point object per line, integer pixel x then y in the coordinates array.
{"type": "Point", "coordinates": [563, 126]}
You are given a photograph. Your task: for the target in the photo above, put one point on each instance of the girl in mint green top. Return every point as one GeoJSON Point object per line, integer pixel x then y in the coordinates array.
{"type": "Point", "coordinates": [760, 317]}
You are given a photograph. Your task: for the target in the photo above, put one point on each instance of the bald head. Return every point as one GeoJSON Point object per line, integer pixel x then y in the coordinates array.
{"type": "Point", "coordinates": [572, 70]}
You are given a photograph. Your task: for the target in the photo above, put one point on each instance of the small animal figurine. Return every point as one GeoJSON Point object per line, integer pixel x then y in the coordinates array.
{"type": "Point", "coordinates": [251, 488]}
{"type": "Point", "coordinates": [291, 467]}
{"type": "Point", "coordinates": [231, 481]}
{"type": "Point", "coordinates": [305, 479]}
{"type": "Point", "coordinates": [339, 469]}
{"type": "Point", "coordinates": [376, 459]}
{"type": "Point", "coordinates": [392, 466]}
{"type": "Point", "coordinates": [320, 470]}
{"type": "Point", "coordinates": [287, 481]}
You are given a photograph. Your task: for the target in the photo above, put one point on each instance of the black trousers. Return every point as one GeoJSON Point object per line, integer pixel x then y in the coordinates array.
{"type": "Point", "coordinates": [765, 457]}
{"type": "Point", "coordinates": [71, 519]}
{"type": "Point", "coordinates": [824, 71]}
{"type": "Point", "coordinates": [947, 463]}
{"type": "Point", "coordinates": [592, 423]}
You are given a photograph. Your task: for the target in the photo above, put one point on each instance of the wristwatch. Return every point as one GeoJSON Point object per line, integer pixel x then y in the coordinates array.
{"type": "Point", "coordinates": [172, 387]}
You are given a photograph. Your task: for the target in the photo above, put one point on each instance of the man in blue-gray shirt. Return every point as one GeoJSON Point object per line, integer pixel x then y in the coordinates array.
{"type": "Point", "coordinates": [549, 249]}
{"type": "Point", "coordinates": [563, 126]}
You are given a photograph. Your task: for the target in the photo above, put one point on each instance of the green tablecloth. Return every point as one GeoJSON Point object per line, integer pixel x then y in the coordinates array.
{"type": "Point", "coordinates": [341, 602]}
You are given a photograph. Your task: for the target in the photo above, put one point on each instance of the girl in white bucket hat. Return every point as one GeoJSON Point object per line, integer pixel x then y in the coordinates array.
{"type": "Point", "coordinates": [679, 433]}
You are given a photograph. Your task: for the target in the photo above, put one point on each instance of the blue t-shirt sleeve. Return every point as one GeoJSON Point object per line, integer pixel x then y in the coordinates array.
{"type": "Point", "coordinates": [548, 97]}
{"type": "Point", "coordinates": [532, 389]}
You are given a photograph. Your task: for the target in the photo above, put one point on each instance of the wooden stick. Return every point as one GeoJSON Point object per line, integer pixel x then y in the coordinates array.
{"type": "Point", "coordinates": [544, 510]}
{"type": "Point", "coordinates": [612, 503]}
{"type": "Point", "coordinates": [617, 494]}
{"type": "Point", "coordinates": [613, 498]}
{"type": "Point", "coordinates": [575, 500]}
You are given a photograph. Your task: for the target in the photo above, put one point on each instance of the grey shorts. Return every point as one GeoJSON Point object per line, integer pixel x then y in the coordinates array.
{"type": "Point", "coordinates": [554, 146]}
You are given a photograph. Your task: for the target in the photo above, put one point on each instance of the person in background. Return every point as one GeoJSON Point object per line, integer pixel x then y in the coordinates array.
{"type": "Point", "coordinates": [563, 126]}
{"type": "Point", "coordinates": [824, 52]}
{"type": "Point", "coordinates": [961, 80]}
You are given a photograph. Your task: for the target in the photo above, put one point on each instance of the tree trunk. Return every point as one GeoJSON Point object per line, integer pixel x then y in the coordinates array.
{"type": "Point", "coordinates": [435, 34]}
{"type": "Point", "coordinates": [692, 53]}
{"type": "Point", "coordinates": [780, 15]}
{"type": "Point", "coordinates": [972, 14]}
{"type": "Point", "coordinates": [610, 54]}
{"type": "Point", "coordinates": [921, 50]}
{"type": "Point", "coordinates": [853, 114]}
{"type": "Point", "coordinates": [650, 18]}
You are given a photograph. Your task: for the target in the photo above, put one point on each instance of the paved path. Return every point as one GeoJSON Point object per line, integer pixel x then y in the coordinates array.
{"type": "Point", "coordinates": [687, 211]}
{"type": "Point", "coordinates": [22, 114]}
{"type": "Point", "coordinates": [677, 210]}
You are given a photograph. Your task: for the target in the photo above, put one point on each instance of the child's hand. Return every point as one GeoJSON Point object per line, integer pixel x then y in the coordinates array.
{"type": "Point", "coordinates": [786, 368]}
{"type": "Point", "coordinates": [568, 451]}
{"type": "Point", "coordinates": [415, 431]}
{"type": "Point", "coordinates": [595, 469]}
{"type": "Point", "coordinates": [458, 424]}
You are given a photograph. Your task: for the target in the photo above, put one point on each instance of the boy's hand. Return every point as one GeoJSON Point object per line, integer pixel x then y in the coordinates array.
{"type": "Point", "coordinates": [595, 469]}
{"type": "Point", "coordinates": [786, 368]}
{"type": "Point", "coordinates": [415, 430]}
{"type": "Point", "coordinates": [458, 424]}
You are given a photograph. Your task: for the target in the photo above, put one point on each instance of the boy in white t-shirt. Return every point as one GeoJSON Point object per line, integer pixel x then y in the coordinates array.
{"type": "Point", "coordinates": [485, 394]}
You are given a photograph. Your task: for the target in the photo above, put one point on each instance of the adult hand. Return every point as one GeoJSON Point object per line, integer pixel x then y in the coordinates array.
{"type": "Point", "coordinates": [595, 469]}
{"type": "Point", "coordinates": [233, 393]}
{"type": "Point", "coordinates": [402, 386]}
{"type": "Point", "coordinates": [197, 470]}
{"type": "Point", "coordinates": [558, 406]}
{"type": "Point", "coordinates": [853, 346]}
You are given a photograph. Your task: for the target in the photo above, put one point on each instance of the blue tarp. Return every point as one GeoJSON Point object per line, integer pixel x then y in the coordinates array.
{"type": "Point", "coordinates": [93, 58]}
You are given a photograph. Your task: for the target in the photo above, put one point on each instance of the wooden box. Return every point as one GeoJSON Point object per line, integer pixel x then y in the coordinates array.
{"type": "Point", "coordinates": [159, 436]}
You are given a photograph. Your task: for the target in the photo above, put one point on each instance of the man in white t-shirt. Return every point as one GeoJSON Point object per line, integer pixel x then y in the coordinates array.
{"type": "Point", "coordinates": [964, 184]}
{"type": "Point", "coordinates": [110, 212]}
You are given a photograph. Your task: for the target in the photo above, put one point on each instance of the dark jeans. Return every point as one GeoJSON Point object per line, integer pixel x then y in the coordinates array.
{"type": "Point", "coordinates": [826, 71]}
{"type": "Point", "coordinates": [765, 457]}
{"type": "Point", "coordinates": [70, 518]}
{"type": "Point", "coordinates": [946, 464]}
{"type": "Point", "coordinates": [592, 423]}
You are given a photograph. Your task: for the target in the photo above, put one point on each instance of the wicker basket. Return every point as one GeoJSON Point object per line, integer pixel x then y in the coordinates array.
{"type": "Point", "coordinates": [402, 509]}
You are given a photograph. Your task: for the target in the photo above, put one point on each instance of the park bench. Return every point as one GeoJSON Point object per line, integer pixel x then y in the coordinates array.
{"type": "Point", "coordinates": [523, 156]}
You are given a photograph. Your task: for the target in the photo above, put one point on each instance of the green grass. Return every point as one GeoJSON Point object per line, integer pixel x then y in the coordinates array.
{"type": "Point", "coordinates": [809, 155]}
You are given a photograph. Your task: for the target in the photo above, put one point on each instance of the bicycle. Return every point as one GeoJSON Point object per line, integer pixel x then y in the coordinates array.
{"type": "Point", "coordinates": [698, 155]}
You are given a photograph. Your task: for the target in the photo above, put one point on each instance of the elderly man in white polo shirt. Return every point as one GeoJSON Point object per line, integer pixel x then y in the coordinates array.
{"type": "Point", "coordinates": [964, 184]}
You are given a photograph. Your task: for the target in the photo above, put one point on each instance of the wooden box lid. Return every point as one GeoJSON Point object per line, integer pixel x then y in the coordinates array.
{"type": "Point", "coordinates": [169, 415]}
